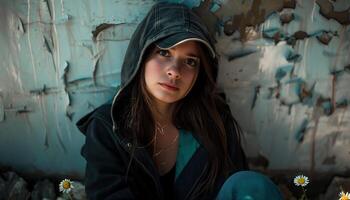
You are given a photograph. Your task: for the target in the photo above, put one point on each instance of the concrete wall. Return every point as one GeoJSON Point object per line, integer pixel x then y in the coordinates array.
{"type": "Point", "coordinates": [284, 67]}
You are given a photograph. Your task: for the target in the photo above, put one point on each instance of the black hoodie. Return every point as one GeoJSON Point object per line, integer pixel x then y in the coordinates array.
{"type": "Point", "coordinates": [107, 152]}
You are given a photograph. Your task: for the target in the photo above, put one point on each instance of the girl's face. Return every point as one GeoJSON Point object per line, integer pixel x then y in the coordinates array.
{"type": "Point", "coordinates": [171, 73]}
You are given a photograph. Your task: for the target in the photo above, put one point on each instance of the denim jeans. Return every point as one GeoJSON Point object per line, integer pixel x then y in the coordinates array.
{"type": "Point", "coordinates": [249, 185]}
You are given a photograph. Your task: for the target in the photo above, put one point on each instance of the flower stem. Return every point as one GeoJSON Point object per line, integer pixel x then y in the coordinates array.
{"type": "Point", "coordinates": [303, 197]}
{"type": "Point", "coordinates": [67, 196]}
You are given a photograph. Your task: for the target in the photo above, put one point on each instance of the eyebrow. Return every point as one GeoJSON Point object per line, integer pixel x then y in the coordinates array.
{"type": "Point", "coordinates": [193, 55]}
{"type": "Point", "coordinates": [189, 55]}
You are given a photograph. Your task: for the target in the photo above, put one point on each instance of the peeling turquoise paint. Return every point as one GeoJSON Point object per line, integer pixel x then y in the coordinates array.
{"type": "Point", "coordinates": [294, 83]}
{"type": "Point", "coordinates": [53, 72]}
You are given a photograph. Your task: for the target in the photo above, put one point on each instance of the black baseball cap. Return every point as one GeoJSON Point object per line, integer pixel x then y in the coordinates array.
{"type": "Point", "coordinates": [181, 37]}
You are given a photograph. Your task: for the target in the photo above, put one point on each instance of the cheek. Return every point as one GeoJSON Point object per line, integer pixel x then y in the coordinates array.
{"type": "Point", "coordinates": [190, 77]}
{"type": "Point", "coordinates": [152, 69]}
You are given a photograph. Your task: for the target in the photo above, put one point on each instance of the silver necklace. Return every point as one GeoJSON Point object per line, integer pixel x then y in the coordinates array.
{"type": "Point", "coordinates": [165, 148]}
{"type": "Point", "coordinates": [160, 128]}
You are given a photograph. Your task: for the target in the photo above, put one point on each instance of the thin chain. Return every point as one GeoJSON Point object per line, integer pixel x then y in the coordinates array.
{"type": "Point", "coordinates": [166, 148]}
{"type": "Point", "coordinates": [159, 129]}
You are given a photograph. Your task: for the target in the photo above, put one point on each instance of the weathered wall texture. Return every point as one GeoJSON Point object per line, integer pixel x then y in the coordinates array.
{"type": "Point", "coordinates": [284, 67]}
{"type": "Point", "coordinates": [59, 60]}
{"type": "Point", "coordinates": [287, 81]}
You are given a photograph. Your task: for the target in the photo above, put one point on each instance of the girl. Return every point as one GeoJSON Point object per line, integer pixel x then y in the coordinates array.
{"type": "Point", "coordinates": [168, 134]}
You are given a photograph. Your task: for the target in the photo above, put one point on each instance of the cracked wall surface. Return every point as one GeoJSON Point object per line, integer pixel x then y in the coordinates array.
{"type": "Point", "coordinates": [59, 60]}
{"type": "Point", "coordinates": [286, 79]}
{"type": "Point", "coordinates": [284, 67]}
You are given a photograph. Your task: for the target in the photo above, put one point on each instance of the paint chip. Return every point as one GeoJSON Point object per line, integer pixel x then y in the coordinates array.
{"type": "Point", "coordinates": [324, 38]}
{"type": "Point", "coordinates": [99, 29]}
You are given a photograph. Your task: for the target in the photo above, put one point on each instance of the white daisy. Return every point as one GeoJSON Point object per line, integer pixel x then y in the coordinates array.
{"type": "Point", "coordinates": [301, 180]}
{"type": "Point", "coordinates": [66, 186]}
{"type": "Point", "coordinates": [344, 196]}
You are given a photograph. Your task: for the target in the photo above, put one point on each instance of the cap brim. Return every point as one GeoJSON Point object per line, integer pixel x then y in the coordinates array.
{"type": "Point", "coordinates": [178, 38]}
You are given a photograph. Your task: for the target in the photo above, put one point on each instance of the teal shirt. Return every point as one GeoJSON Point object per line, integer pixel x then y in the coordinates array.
{"type": "Point", "coordinates": [187, 147]}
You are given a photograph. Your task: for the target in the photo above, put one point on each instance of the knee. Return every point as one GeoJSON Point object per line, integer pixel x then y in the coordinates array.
{"type": "Point", "coordinates": [254, 185]}
{"type": "Point", "coordinates": [249, 178]}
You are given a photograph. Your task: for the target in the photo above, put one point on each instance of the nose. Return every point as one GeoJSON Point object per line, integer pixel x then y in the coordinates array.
{"type": "Point", "coordinates": [173, 71]}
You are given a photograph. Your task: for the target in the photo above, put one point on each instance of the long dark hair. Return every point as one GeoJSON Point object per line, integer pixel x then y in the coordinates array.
{"type": "Point", "coordinates": [198, 112]}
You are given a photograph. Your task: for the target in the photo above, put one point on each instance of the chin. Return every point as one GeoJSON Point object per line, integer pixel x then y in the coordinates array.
{"type": "Point", "coordinates": [167, 98]}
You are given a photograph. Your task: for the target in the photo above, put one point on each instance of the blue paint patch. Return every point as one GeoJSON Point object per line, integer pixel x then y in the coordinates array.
{"type": "Point", "coordinates": [214, 7]}
{"type": "Point", "coordinates": [270, 32]}
{"type": "Point", "coordinates": [293, 57]}
{"type": "Point", "coordinates": [342, 103]}
{"type": "Point", "coordinates": [291, 91]}
{"type": "Point", "coordinates": [327, 107]}
{"type": "Point", "coordinates": [281, 72]}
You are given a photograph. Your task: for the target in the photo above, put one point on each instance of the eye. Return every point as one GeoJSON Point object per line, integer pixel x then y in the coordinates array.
{"type": "Point", "coordinates": [163, 52]}
{"type": "Point", "coordinates": [192, 62]}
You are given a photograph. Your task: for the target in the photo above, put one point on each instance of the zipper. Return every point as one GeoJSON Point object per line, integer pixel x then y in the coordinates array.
{"type": "Point", "coordinates": [196, 183]}
{"type": "Point", "coordinates": [139, 162]}
{"type": "Point", "coordinates": [147, 172]}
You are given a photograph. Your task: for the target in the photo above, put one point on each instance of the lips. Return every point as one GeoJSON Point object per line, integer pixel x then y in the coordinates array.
{"type": "Point", "coordinates": [169, 86]}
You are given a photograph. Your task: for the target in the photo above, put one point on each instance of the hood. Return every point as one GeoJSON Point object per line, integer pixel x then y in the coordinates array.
{"type": "Point", "coordinates": [163, 20]}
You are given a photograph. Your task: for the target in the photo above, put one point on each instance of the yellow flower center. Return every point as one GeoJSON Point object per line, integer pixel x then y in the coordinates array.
{"type": "Point", "coordinates": [301, 181]}
{"type": "Point", "coordinates": [66, 185]}
{"type": "Point", "coordinates": [343, 197]}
